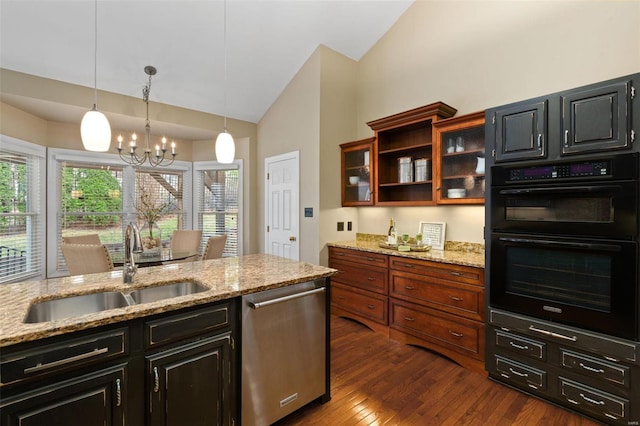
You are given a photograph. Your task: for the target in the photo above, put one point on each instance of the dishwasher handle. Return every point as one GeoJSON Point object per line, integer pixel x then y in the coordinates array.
{"type": "Point", "coordinates": [258, 305]}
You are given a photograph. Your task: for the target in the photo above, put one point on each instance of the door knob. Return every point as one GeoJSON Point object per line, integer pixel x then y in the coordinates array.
{"type": "Point", "coordinates": [292, 238]}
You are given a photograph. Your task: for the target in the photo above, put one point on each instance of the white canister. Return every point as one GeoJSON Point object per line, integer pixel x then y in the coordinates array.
{"type": "Point", "coordinates": [405, 170]}
{"type": "Point", "coordinates": [422, 172]}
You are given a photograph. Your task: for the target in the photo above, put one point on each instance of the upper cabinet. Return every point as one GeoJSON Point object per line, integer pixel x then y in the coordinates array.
{"type": "Point", "coordinates": [404, 141]}
{"type": "Point", "coordinates": [521, 131]}
{"type": "Point", "coordinates": [597, 118]}
{"type": "Point", "coordinates": [459, 150]}
{"type": "Point", "coordinates": [593, 119]}
{"type": "Point", "coordinates": [357, 172]}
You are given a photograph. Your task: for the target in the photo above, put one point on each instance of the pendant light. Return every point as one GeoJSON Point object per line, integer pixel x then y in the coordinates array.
{"type": "Point", "coordinates": [225, 147]}
{"type": "Point", "coordinates": [94, 128]}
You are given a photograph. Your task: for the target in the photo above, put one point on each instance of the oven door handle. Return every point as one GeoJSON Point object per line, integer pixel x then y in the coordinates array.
{"type": "Point", "coordinates": [587, 246]}
{"type": "Point", "coordinates": [562, 190]}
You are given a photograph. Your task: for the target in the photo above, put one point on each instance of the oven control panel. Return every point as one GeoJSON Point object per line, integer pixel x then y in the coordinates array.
{"type": "Point", "coordinates": [559, 171]}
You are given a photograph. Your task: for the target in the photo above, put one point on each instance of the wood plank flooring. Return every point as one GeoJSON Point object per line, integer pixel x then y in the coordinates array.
{"type": "Point", "coordinates": [376, 381]}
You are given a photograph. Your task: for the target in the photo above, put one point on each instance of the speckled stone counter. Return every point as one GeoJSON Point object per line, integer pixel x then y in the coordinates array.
{"type": "Point", "coordinates": [456, 253]}
{"type": "Point", "coordinates": [225, 278]}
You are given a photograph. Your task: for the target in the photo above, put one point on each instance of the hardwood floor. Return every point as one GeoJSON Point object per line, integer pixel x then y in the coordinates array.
{"type": "Point", "coordinates": [376, 381]}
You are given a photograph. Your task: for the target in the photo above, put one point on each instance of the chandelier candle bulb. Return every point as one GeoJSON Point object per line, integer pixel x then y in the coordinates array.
{"type": "Point", "coordinates": [157, 150]}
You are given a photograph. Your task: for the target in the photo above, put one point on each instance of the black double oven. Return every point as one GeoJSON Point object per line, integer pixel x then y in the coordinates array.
{"type": "Point", "coordinates": [564, 242]}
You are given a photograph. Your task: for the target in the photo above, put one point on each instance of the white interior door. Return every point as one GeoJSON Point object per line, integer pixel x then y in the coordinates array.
{"type": "Point", "coordinates": [282, 209]}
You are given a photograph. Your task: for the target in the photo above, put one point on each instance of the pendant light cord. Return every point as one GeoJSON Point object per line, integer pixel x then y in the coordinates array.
{"type": "Point", "coordinates": [224, 41]}
{"type": "Point", "coordinates": [95, 56]}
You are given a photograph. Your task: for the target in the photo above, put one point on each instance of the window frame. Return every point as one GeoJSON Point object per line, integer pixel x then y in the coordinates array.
{"type": "Point", "coordinates": [200, 166]}
{"type": "Point", "coordinates": [56, 155]}
{"type": "Point", "coordinates": [38, 155]}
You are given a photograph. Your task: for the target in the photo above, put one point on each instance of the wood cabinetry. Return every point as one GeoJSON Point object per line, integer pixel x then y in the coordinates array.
{"type": "Point", "coordinates": [189, 373]}
{"type": "Point", "coordinates": [357, 172]}
{"type": "Point", "coordinates": [360, 289]}
{"type": "Point", "coordinates": [183, 359]}
{"type": "Point", "coordinates": [459, 150]}
{"type": "Point", "coordinates": [430, 304]}
{"type": "Point", "coordinates": [590, 373]}
{"type": "Point", "coordinates": [589, 119]}
{"type": "Point", "coordinates": [438, 306]}
{"type": "Point", "coordinates": [401, 139]}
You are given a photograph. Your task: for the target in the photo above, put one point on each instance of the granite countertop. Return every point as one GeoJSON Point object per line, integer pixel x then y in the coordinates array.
{"type": "Point", "coordinates": [455, 253]}
{"type": "Point", "coordinates": [226, 278]}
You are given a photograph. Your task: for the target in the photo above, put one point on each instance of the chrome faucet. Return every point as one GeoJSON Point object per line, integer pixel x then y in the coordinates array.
{"type": "Point", "coordinates": [132, 244]}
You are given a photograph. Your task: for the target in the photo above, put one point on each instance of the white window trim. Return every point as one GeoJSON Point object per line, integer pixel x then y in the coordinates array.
{"type": "Point", "coordinates": [40, 152]}
{"type": "Point", "coordinates": [199, 166]}
{"type": "Point", "coordinates": [128, 178]}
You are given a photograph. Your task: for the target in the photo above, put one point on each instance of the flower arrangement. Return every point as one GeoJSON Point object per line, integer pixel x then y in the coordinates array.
{"type": "Point", "coordinates": [150, 209]}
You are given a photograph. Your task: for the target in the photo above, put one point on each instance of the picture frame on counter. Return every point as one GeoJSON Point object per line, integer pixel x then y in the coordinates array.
{"type": "Point", "coordinates": [433, 234]}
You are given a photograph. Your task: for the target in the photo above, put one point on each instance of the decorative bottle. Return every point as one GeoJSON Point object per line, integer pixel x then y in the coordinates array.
{"type": "Point", "coordinates": [391, 235]}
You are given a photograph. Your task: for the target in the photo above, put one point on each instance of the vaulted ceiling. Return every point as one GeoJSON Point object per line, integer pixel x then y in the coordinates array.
{"type": "Point", "coordinates": [267, 41]}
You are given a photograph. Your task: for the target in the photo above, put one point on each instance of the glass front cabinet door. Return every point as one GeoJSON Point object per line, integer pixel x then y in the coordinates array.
{"type": "Point", "coordinates": [459, 145]}
{"type": "Point", "coordinates": [357, 172]}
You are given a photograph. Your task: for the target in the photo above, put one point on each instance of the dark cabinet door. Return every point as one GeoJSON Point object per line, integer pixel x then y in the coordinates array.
{"type": "Point", "coordinates": [96, 399]}
{"type": "Point", "coordinates": [596, 119]}
{"type": "Point", "coordinates": [190, 384]}
{"type": "Point", "coordinates": [521, 131]}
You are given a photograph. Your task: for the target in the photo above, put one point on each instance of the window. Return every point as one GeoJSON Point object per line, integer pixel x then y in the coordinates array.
{"type": "Point", "coordinates": [22, 226]}
{"type": "Point", "coordinates": [96, 193]}
{"type": "Point", "coordinates": [218, 201]}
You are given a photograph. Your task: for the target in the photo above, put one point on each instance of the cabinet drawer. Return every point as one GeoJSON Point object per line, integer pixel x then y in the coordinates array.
{"type": "Point", "coordinates": [368, 305]}
{"type": "Point", "coordinates": [611, 347]}
{"type": "Point", "coordinates": [37, 361]}
{"type": "Point", "coordinates": [459, 299]}
{"type": "Point", "coordinates": [522, 374]}
{"type": "Point", "coordinates": [520, 345]}
{"type": "Point", "coordinates": [357, 256]}
{"type": "Point", "coordinates": [594, 367]}
{"type": "Point", "coordinates": [458, 334]}
{"type": "Point", "coordinates": [602, 404]}
{"type": "Point", "coordinates": [438, 271]}
{"type": "Point", "coordinates": [180, 326]}
{"type": "Point", "coordinates": [366, 278]}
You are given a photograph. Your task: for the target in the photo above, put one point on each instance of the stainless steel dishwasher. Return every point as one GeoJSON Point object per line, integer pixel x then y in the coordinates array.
{"type": "Point", "coordinates": [284, 351]}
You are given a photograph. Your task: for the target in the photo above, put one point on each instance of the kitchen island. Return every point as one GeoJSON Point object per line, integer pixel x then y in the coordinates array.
{"type": "Point", "coordinates": [171, 361]}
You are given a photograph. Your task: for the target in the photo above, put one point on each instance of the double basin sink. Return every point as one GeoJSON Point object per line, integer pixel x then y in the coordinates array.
{"type": "Point", "coordinates": [73, 306]}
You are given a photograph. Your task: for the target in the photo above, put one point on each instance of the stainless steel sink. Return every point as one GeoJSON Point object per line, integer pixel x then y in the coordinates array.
{"type": "Point", "coordinates": [167, 291]}
{"type": "Point", "coordinates": [57, 309]}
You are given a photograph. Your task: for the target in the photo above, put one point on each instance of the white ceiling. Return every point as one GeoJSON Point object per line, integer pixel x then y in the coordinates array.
{"type": "Point", "coordinates": [267, 43]}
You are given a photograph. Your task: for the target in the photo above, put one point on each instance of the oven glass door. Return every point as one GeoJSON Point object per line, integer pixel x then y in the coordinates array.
{"type": "Point", "coordinates": [606, 210]}
{"type": "Point", "coordinates": [581, 282]}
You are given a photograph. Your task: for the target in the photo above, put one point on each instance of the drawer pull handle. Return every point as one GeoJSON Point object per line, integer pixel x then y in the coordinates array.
{"type": "Point", "coordinates": [370, 259]}
{"type": "Point", "coordinates": [453, 333]}
{"type": "Point", "coordinates": [455, 273]}
{"type": "Point", "coordinates": [65, 361]}
{"type": "Point", "coordinates": [370, 306]}
{"type": "Point", "coordinates": [156, 380]}
{"type": "Point", "coordinates": [457, 299]}
{"type": "Point", "coordinates": [409, 319]}
{"type": "Point", "coordinates": [406, 265]}
{"type": "Point", "coordinates": [118, 393]}
{"type": "Point", "coordinates": [591, 400]}
{"type": "Point", "coordinates": [409, 287]}
{"type": "Point", "coordinates": [515, 345]}
{"type": "Point", "coordinates": [371, 278]}
{"type": "Point", "coordinates": [517, 373]}
{"type": "Point", "coordinates": [341, 297]}
{"type": "Point", "coordinates": [549, 333]}
{"type": "Point", "coordinates": [593, 370]}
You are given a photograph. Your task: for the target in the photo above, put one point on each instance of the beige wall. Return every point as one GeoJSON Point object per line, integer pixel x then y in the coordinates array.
{"type": "Point", "coordinates": [476, 55]}
{"type": "Point", "coordinates": [292, 123]}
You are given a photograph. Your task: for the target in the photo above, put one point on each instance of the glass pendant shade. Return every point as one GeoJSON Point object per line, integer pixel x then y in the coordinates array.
{"type": "Point", "coordinates": [95, 131]}
{"type": "Point", "coordinates": [225, 148]}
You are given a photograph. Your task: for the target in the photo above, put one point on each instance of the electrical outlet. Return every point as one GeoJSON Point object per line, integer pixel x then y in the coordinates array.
{"type": "Point", "coordinates": [349, 226]}
{"type": "Point", "coordinates": [340, 226]}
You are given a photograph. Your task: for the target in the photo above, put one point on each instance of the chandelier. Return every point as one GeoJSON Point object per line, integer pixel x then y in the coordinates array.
{"type": "Point", "coordinates": [155, 157]}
